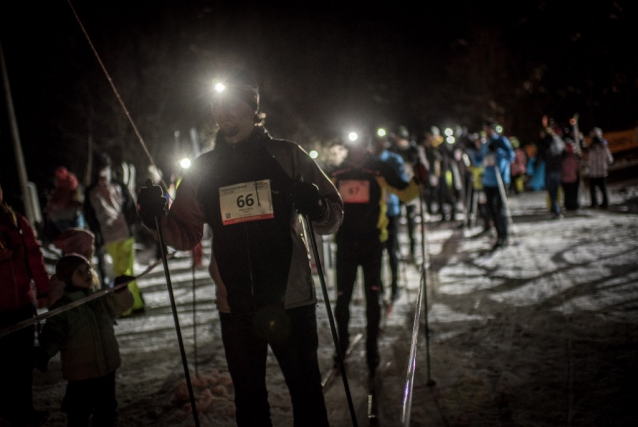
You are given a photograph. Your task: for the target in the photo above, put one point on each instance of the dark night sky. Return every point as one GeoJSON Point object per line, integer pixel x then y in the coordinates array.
{"type": "Point", "coordinates": [322, 68]}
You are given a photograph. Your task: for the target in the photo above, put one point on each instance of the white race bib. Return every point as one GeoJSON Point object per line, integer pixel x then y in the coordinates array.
{"type": "Point", "coordinates": [249, 201]}
{"type": "Point", "coordinates": [354, 191]}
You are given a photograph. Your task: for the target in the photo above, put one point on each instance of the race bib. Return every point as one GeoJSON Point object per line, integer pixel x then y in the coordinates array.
{"type": "Point", "coordinates": [354, 191]}
{"type": "Point", "coordinates": [489, 160]}
{"type": "Point", "coordinates": [249, 201]}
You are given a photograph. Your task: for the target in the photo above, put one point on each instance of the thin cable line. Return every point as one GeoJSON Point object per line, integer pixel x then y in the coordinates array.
{"type": "Point", "coordinates": [117, 94]}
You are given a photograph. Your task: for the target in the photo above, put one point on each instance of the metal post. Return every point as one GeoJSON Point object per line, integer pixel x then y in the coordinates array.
{"type": "Point", "coordinates": [17, 145]}
{"type": "Point", "coordinates": [175, 317]}
{"type": "Point", "coordinates": [425, 289]}
{"type": "Point", "coordinates": [333, 328]}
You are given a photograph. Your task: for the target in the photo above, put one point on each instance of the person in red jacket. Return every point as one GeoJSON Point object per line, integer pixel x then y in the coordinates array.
{"type": "Point", "coordinates": [21, 263]}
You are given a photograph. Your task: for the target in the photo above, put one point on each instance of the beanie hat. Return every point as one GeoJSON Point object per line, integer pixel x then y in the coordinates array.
{"type": "Point", "coordinates": [490, 124]}
{"type": "Point", "coordinates": [241, 85]}
{"type": "Point", "coordinates": [102, 160]}
{"type": "Point", "coordinates": [65, 180]}
{"type": "Point", "coordinates": [67, 265]}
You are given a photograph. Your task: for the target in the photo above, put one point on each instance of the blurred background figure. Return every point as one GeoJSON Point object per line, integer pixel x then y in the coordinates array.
{"type": "Point", "coordinates": [430, 139]}
{"type": "Point", "coordinates": [450, 185]}
{"type": "Point", "coordinates": [496, 154]}
{"type": "Point", "coordinates": [551, 149]}
{"type": "Point", "coordinates": [111, 214]}
{"type": "Point", "coordinates": [477, 200]}
{"type": "Point", "coordinates": [518, 168]}
{"type": "Point", "coordinates": [535, 169]}
{"type": "Point", "coordinates": [598, 160]}
{"type": "Point", "coordinates": [65, 226]}
{"type": "Point", "coordinates": [21, 266]}
{"type": "Point", "coordinates": [403, 145]}
{"type": "Point", "coordinates": [570, 176]}
{"type": "Point", "coordinates": [379, 149]}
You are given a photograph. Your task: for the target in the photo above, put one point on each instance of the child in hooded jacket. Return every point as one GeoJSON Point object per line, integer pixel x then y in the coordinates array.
{"type": "Point", "coordinates": [85, 338]}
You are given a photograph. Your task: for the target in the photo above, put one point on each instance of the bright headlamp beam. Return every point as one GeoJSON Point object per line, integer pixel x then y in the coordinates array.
{"type": "Point", "coordinates": [313, 154]}
{"type": "Point", "coordinates": [220, 87]}
{"type": "Point", "coordinates": [352, 136]}
{"type": "Point", "coordinates": [448, 132]}
{"type": "Point", "coordinates": [185, 163]}
{"type": "Point", "coordinates": [381, 132]}
{"type": "Point", "coordinates": [450, 139]}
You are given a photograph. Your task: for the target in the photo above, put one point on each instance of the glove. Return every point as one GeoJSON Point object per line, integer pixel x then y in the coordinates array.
{"type": "Point", "coordinates": [150, 204]}
{"type": "Point", "coordinates": [122, 279]}
{"type": "Point", "coordinates": [307, 199]}
{"type": "Point", "coordinates": [420, 173]}
{"type": "Point", "coordinates": [40, 359]}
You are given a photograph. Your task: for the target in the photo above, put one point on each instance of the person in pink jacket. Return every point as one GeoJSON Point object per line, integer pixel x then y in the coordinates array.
{"type": "Point", "coordinates": [21, 266]}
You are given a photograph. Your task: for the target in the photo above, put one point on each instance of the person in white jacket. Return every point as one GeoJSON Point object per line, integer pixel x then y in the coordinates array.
{"type": "Point", "coordinates": [599, 158]}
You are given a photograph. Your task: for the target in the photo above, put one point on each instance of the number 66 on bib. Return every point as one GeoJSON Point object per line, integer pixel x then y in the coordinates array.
{"type": "Point", "coordinates": [248, 201]}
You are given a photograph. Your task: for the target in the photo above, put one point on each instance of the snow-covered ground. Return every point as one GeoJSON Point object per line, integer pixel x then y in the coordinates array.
{"type": "Point", "coordinates": [542, 333]}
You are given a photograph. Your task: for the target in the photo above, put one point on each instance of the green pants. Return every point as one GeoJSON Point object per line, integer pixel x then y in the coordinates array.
{"type": "Point", "coordinates": [123, 256]}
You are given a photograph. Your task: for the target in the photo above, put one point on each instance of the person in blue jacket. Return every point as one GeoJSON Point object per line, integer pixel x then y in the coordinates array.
{"type": "Point", "coordinates": [496, 154]}
{"type": "Point", "coordinates": [379, 148]}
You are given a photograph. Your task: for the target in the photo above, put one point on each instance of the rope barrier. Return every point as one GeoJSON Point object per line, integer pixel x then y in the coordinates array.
{"type": "Point", "coordinates": [33, 320]}
{"type": "Point", "coordinates": [409, 382]}
{"type": "Point", "coordinates": [422, 295]}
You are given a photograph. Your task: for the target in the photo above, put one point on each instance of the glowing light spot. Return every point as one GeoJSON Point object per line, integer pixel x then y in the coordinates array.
{"type": "Point", "coordinates": [220, 87]}
{"type": "Point", "coordinates": [381, 132]}
{"type": "Point", "coordinates": [313, 154]}
{"type": "Point", "coordinates": [450, 139]}
{"type": "Point", "coordinates": [185, 163]}
{"type": "Point", "coordinates": [352, 136]}
{"type": "Point", "coordinates": [498, 129]}
{"type": "Point", "coordinates": [448, 132]}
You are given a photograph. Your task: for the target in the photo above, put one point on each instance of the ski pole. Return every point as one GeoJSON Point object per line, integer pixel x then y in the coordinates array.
{"type": "Point", "coordinates": [425, 289]}
{"type": "Point", "coordinates": [195, 323]}
{"type": "Point", "coordinates": [333, 329]}
{"type": "Point", "coordinates": [160, 235]}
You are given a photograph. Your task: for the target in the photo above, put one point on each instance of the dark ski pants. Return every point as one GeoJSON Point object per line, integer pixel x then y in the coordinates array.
{"type": "Point", "coordinates": [351, 255]}
{"type": "Point", "coordinates": [552, 183]}
{"type": "Point", "coordinates": [16, 366]}
{"type": "Point", "coordinates": [392, 246]}
{"type": "Point", "coordinates": [292, 336]}
{"type": "Point", "coordinates": [93, 396]}
{"type": "Point", "coordinates": [410, 214]}
{"type": "Point", "coordinates": [570, 193]}
{"type": "Point", "coordinates": [496, 209]}
{"type": "Point", "coordinates": [600, 183]}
